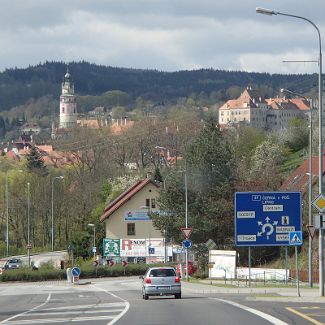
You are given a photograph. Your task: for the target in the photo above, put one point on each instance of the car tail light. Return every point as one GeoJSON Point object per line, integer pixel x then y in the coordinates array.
{"type": "Point", "coordinates": [177, 279]}
{"type": "Point", "coordinates": [148, 280]}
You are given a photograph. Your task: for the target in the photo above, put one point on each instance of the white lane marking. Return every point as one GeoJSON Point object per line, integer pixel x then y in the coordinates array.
{"type": "Point", "coordinates": [74, 312]}
{"type": "Point", "coordinates": [58, 320]}
{"type": "Point", "coordinates": [27, 311]}
{"type": "Point", "coordinates": [108, 305]}
{"type": "Point", "coordinates": [268, 317]}
{"type": "Point", "coordinates": [127, 305]}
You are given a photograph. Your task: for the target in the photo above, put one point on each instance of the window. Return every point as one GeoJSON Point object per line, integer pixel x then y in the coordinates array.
{"type": "Point", "coordinates": [62, 109]}
{"type": "Point", "coordinates": [131, 229]}
{"type": "Point", "coordinates": [153, 203]}
{"type": "Point", "coordinates": [161, 273]}
{"type": "Point", "coordinates": [147, 202]}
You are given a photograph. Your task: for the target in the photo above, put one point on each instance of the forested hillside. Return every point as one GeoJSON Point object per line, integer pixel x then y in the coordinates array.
{"type": "Point", "coordinates": [17, 86]}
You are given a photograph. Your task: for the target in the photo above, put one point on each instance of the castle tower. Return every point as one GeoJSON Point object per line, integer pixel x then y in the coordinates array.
{"type": "Point", "coordinates": [68, 104]}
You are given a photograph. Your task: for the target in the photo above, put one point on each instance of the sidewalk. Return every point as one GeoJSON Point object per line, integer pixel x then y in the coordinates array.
{"type": "Point", "coordinates": [261, 292]}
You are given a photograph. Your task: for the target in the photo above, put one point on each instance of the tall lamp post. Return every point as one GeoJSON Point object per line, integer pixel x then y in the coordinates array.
{"type": "Point", "coordinates": [52, 211]}
{"type": "Point", "coordinates": [310, 180]}
{"type": "Point", "coordinates": [7, 214]}
{"type": "Point", "coordinates": [320, 112]}
{"type": "Point", "coordinates": [93, 226]}
{"type": "Point", "coordinates": [186, 215]}
{"type": "Point", "coordinates": [28, 223]}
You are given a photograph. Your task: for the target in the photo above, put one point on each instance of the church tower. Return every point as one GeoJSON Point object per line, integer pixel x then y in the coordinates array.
{"type": "Point", "coordinates": [68, 104]}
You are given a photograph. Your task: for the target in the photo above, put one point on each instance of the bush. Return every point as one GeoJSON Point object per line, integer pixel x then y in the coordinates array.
{"type": "Point", "coordinates": [26, 274]}
{"type": "Point", "coordinates": [46, 272]}
{"type": "Point", "coordinates": [200, 274]}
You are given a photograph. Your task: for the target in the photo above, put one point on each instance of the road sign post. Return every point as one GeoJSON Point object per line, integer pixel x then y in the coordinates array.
{"type": "Point", "coordinates": [187, 232]}
{"type": "Point", "coordinates": [75, 274]}
{"type": "Point", "coordinates": [266, 218]}
{"type": "Point", "coordinates": [124, 264]}
{"type": "Point", "coordinates": [295, 239]}
{"type": "Point", "coordinates": [187, 243]}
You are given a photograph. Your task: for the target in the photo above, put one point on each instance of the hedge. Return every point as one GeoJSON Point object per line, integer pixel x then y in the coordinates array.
{"type": "Point", "coordinates": [87, 271]}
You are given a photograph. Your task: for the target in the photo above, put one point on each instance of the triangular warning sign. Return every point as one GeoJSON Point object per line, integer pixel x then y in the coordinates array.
{"type": "Point", "coordinates": [187, 232]}
{"type": "Point", "coordinates": [311, 231]}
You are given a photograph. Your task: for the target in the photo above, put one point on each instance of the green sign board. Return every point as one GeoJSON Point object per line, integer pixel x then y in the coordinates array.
{"type": "Point", "coordinates": [111, 247]}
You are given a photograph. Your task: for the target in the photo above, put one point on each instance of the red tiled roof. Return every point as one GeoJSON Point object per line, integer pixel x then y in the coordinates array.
{"type": "Point", "coordinates": [124, 197]}
{"type": "Point", "coordinates": [248, 98]}
{"type": "Point", "coordinates": [284, 103]}
{"type": "Point", "coordinates": [298, 180]}
{"type": "Point", "coordinates": [301, 103]}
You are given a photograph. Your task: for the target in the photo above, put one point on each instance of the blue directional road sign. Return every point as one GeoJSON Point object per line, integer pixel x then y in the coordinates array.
{"type": "Point", "coordinates": [295, 238]}
{"type": "Point", "coordinates": [266, 218]}
{"type": "Point", "coordinates": [187, 243]}
{"type": "Point", "coordinates": [75, 271]}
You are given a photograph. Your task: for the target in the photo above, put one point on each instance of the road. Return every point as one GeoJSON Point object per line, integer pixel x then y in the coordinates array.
{"type": "Point", "coordinates": [38, 259]}
{"type": "Point", "coordinates": [119, 301]}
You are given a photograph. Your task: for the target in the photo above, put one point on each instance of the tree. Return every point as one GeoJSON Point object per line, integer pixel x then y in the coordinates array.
{"type": "Point", "coordinates": [157, 176]}
{"type": "Point", "coordinates": [296, 137]}
{"type": "Point", "coordinates": [35, 162]}
{"type": "Point", "coordinates": [208, 165]}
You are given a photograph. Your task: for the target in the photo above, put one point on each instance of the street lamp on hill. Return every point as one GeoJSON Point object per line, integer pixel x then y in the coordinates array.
{"type": "Point", "coordinates": [270, 12]}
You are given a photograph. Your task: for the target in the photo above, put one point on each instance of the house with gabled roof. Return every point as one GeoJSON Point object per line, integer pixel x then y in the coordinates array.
{"type": "Point", "coordinates": [252, 109]}
{"type": "Point", "coordinates": [298, 180]}
{"type": "Point", "coordinates": [127, 216]}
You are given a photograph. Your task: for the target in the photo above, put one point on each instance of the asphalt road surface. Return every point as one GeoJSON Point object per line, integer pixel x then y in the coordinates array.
{"type": "Point", "coordinates": [119, 301]}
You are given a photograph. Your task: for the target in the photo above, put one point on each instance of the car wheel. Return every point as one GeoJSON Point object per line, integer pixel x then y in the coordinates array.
{"type": "Point", "coordinates": [146, 297]}
{"type": "Point", "coordinates": [178, 296]}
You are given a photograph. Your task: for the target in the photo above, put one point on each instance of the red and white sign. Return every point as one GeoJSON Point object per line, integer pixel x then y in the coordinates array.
{"type": "Point", "coordinates": [124, 263]}
{"type": "Point", "coordinates": [311, 231]}
{"type": "Point", "coordinates": [187, 232]}
{"type": "Point", "coordinates": [140, 247]}
{"type": "Point", "coordinates": [111, 263]}
{"type": "Point", "coordinates": [29, 246]}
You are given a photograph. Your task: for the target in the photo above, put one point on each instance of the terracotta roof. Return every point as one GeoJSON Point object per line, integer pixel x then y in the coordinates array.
{"type": "Point", "coordinates": [301, 103]}
{"type": "Point", "coordinates": [248, 98]}
{"type": "Point", "coordinates": [284, 103]}
{"type": "Point", "coordinates": [124, 197]}
{"type": "Point", "coordinates": [298, 180]}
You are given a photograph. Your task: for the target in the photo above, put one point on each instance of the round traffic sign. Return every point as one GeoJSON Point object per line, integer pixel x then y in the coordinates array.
{"type": "Point", "coordinates": [75, 271]}
{"type": "Point", "coordinates": [187, 243]}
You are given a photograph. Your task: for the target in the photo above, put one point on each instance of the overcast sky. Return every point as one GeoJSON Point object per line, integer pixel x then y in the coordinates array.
{"type": "Point", "coordinates": [167, 35]}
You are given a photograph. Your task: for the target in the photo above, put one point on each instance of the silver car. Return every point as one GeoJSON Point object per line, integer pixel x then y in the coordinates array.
{"type": "Point", "coordinates": [161, 281]}
{"type": "Point", "coordinates": [13, 263]}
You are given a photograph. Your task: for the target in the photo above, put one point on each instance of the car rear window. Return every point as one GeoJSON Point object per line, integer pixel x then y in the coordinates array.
{"type": "Point", "coordinates": [162, 273]}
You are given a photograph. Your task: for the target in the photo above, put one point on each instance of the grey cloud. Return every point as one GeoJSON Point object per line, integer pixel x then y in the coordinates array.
{"type": "Point", "coordinates": [159, 34]}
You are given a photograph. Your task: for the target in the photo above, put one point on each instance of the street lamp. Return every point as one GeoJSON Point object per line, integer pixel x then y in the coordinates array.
{"type": "Point", "coordinates": [52, 210]}
{"type": "Point", "coordinates": [93, 225]}
{"type": "Point", "coordinates": [28, 223]}
{"type": "Point", "coordinates": [310, 180]}
{"type": "Point", "coordinates": [7, 214]}
{"type": "Point", "coordinates": [320, 122]}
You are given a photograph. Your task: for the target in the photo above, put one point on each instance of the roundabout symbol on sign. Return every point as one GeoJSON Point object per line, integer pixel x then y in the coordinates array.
{"type": "Point", "coordinates": [267, 228]}
{"type": "Point", "coordinates": [187, 243]}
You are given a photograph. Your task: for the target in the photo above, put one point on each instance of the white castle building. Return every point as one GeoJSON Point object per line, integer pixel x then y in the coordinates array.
{"type": "Point", "coordinates": [68, 104]}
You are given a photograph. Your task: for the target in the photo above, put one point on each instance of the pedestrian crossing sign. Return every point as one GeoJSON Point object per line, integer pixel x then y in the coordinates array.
{"type": "Point", "coordinates": [295, 238]}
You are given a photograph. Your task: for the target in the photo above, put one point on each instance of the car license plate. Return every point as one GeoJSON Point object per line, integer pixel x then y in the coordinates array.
{"type": "Point", "coordinates": [163, 288]}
